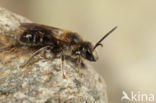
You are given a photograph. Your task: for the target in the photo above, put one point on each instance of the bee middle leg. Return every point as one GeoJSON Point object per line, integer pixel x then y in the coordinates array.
{"type": "Point", "coordinates": [79, 65]}
{"type": "Point", "coordinates": [62, 64]}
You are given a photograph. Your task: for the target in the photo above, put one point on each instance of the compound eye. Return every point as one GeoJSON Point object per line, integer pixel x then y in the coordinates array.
{"type": "Point", "coordinates": [89, 55]}
{"type": "Point", "coordinates": [87, 52]}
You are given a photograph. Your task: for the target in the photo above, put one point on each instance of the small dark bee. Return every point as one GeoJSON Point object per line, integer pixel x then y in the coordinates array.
{"type": "Point", "coordinates": [61, 42]}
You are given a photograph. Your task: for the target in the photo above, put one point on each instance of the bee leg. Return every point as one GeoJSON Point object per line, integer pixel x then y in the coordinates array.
{"type": "Point", "coordinates": [62, 64]}
{"type": "Point", "coordinates": [43, 54]}
{"type": "Point", "coordinates": [33, 55]}
{"type": "Point", "coordinates": [79, 66]}
{"type": "Point", "coordinates": [78, 63]}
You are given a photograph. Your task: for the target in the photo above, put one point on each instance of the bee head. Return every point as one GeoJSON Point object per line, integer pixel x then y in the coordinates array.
{"type": "Point", "coordinates": [87, 52]}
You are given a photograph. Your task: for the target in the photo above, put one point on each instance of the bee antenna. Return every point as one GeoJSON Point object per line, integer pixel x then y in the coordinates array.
{"type": "Point", "coordinates": [99, 42]}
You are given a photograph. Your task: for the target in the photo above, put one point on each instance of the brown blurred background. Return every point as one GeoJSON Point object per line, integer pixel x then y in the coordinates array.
{"type": "Point", "coordinates": [128, 59]}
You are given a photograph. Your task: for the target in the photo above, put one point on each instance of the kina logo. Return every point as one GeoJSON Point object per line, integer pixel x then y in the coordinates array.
{"type": "Point", "coordinates": [137, 96]}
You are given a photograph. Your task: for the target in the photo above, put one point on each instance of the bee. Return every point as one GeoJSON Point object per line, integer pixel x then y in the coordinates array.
{"type": "Point", "coordinates": [60, 42]}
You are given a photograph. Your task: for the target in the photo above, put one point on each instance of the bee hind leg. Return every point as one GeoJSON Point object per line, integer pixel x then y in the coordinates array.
{"type": "Point", "coordinates": [28, 62]}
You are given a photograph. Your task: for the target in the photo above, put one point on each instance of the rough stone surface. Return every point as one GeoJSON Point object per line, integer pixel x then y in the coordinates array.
{"type": "Point", "coordinates": [42, 81]}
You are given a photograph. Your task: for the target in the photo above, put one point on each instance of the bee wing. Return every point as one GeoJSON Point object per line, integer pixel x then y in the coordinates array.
{"type": "Point", "coordinates": [55, 32]}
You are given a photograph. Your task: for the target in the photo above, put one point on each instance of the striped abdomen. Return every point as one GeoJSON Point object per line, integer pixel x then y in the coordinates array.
{"type": "Point", "coordinates": [36, 36]}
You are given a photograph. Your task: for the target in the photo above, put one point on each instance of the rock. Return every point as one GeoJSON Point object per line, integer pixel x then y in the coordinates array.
{"type": "Point", "coordinates": [42, 80]}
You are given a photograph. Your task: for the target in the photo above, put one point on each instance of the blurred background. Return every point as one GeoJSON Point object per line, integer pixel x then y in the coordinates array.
{"type": "Point", "coordinates": [128, 58]}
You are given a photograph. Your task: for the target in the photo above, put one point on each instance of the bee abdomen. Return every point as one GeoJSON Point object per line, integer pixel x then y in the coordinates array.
{"type": "Point", "coordinates": [30, 38]}
{"type": "Point", "coordinates": [35, 37]}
